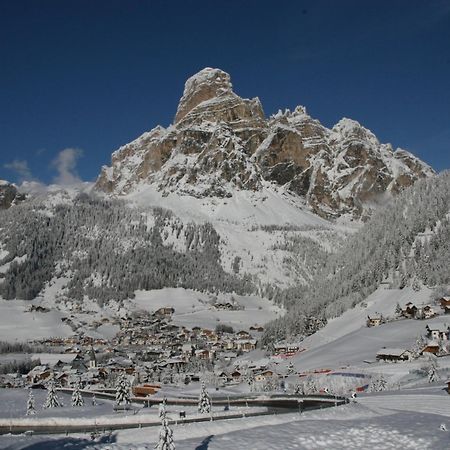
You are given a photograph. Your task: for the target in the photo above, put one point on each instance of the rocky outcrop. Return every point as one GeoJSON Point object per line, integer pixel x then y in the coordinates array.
{"type": "Point", "coordinates": [220, 142]}
{"type": "Point", "coordinates": [9, 194]}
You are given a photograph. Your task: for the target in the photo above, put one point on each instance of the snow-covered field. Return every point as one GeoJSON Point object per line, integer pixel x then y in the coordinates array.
{"type": "Point", "coordinates": [18, 324]}
{"type": "Point", "coordinates": [194, 309]}
{"type": "Point", "coordinates": [355, 426]}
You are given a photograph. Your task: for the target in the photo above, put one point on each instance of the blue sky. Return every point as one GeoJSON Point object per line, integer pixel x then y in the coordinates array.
{"type": "Point", "coordinates": [80, 78]}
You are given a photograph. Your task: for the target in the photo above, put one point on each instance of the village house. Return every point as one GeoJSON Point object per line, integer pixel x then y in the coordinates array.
{"type": "Point", "coordinates": [245, 345]}
{"type": "Point", "coordinates": [286, 348]}
{"type": "Point", "coordinates": [445, 304]}
{"type": "Point", "coordinates": [409, 311]}
{"type": "Point", "coordinates": [236, 375]}
{"type": "Point", "coordinates": [432, 347]}
{"type": "Point", "coordinates": [39, 374]}
{"type": "Point", "coordinates": [204, 354]}
{"type": "Point", "coordinates": [265, 375]}
{"type": "Point", "coordinates": [375, 320]}
{"type": "Point", "coordinates": [223, 376]}
{"type": "Point", "coordinates": [243, 334]}
{"type": "Point", "coordinates": [164, 312]}
{"type": "Point", "coordinates": [393, 355]}
{"type": "Point", "coordinates": [427, 312]}
{"type": "Point", "coordinates": [438, 331]}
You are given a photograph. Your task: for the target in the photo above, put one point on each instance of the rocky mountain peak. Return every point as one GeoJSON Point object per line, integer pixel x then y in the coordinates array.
{"type": "Point", "coordinates": [9, 194]}
{"type": "Point", "coordinates": [205, 85]}
{"type": "Point", "coordinates": [221, 143]}
{"type": "Point", "coordinates": [347, 129]}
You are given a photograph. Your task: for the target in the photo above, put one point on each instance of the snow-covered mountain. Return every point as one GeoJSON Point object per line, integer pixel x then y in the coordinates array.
{"type": "Point", "coordinates": [9, 194]}
{"type": "Point", "coordinates": [221, 144]}
{"type": "Point", "coordinates": [226, 202]}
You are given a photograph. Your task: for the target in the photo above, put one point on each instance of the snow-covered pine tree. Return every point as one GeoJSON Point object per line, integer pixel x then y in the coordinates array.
{"type": "Point", "coordinates": [382, 383]}
{"type": "Point", "coordinates": [204, 401]}
{"type": "Point", "coordinates": [52, 400]}
{"type": "Point", "coordinates": [432, 369]}
{"type": "Point", "coordinates": [165, 441]}
{"type": "Point", "coordinates": [418, 346]}
{"type": "Point", "coordinates": [290, 369]}
{"type": "Point", "coordinates": [94, 400]}
{"type": "Point", "coordinates": [299, 389]}
{"type": "Point", "coordinates": [377, 383]}
{"type": "Point", "coordinates": [31, 410]}
{"type": "Point", "coordinates": [123, 395]}
{"type": "Point", "coordinates": [398, 310]}
{"type": "Point", "coordinates": [77, 399]}
{"type": "Point", "coordinates": [162, 408]}
{"type": "Point", "coordinates": [310, 386]}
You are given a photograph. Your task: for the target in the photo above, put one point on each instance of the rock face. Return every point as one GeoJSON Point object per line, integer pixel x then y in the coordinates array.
{"type": "Point", "coordinates": [8, 194]}
{"type": "Point", "coordinates": [220, 142]}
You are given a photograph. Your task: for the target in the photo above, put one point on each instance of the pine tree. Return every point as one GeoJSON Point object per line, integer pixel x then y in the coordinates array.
{"type": "Point", "coordinates": [30, 404]}
{"type": "Point", "coordinates": [77, 399]}
{"type": "Point", "coordinates": [162, 408]}
{"type": "Point", "coordinates": [377, 383]}
{"type": "Point", "coordinates": [123, 395]}
{"type": "Point", "coordinates": [418, 346]}
{"type": "Point", "coordinates": [94, 400]}
{"type": "Point", "coordinates": [52, 400]}
{"type": "Point", "coordinates": [310, 386]}
{"type": "Point", "coordinates": [432, 369]}
{"type": "Point", "coordinates": [165, 441]}
{"type": "Point", "coordinates": [204, 401]}
{"type": "Point", "coordinates": [398, 310]}
{"type": "Point", "coordinates": [290, 369]}
{"type": "Point", "coordinates": [382, 383]}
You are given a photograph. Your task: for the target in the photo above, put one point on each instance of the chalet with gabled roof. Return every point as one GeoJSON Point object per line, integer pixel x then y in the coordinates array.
{"type": "Point", "coordinates": [374, 320]}
{"type": "Point", "coordinates": [393, 355]}
{"type": "Point", "coordinates": [409, 311]}
{"type": "Point", "coordinates": [445, 304]}
{"type": "Point", "coordinates": [439, 331]}
{"type": "Point", "coordinates": [432, 347]}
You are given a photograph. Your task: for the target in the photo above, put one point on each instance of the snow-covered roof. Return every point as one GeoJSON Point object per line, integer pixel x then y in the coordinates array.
{"type": "Point", "coordinates": [392, 351]}
{"type": "Point", "coordinates": [441, 327]}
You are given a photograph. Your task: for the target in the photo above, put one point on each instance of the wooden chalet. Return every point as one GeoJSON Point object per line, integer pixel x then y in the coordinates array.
{"type": "Point", "coordinates": [393, 354]}
{"type": "Point", "coordinates": [445, 304]}
{"type": "Point", "coordinates": [427, 312]}
{"type": "Point", "coordinates": [409, 311]}
{"type": "Point", "coordinates": [432, 347]}
{"type": "Point", "coordinates": [439, 331]}
{"type": "Point", "coordinates": [265, 375]}
{"type": "Point", "coordinates": [375, 320]}
{"type": "Point", "coordinates": [164, 312]}
{"type": "Point", "coordinates": [286, 348]}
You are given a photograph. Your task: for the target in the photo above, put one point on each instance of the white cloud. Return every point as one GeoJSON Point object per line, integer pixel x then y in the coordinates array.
{"type": "Point", "coordinates": [20, 166]}
{"type": "Point", "coordinates": [65, 164]}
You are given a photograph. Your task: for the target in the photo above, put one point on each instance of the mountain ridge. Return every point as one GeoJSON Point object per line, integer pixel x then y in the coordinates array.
{"type": "Point", "coordinates": [220, 143]}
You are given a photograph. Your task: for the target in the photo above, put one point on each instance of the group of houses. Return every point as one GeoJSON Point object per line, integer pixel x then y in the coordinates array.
{"type": "Point", "coordinates": [411, 311]}
{"type": "Point", "coordinates": [437, 342]}
{"type": "Point", "coordinates": [148, 347]}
